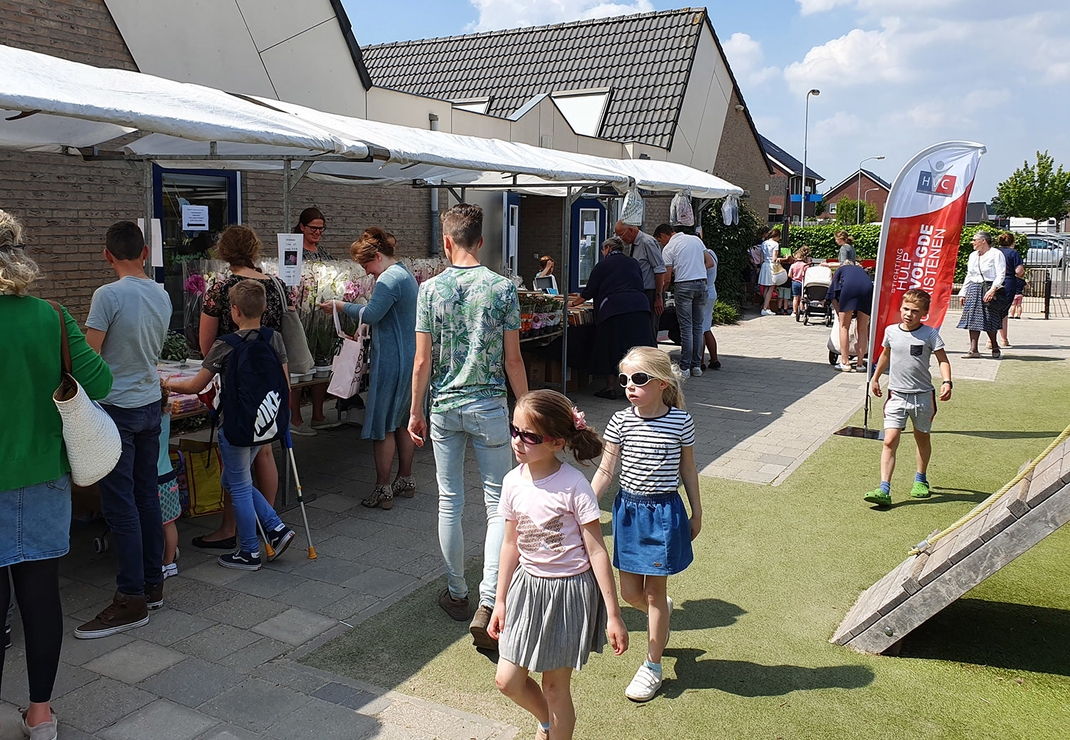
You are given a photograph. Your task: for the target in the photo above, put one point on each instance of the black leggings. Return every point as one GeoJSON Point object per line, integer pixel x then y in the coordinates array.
{"type": "Point", "coordinates": [37, 592]}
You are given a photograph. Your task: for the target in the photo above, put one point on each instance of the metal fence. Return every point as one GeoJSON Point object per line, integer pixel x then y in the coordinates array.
{"type": "Point", "coordinates": [1047, 292]}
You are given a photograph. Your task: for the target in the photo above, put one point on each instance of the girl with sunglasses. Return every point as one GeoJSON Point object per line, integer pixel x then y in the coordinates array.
{"type": "Point", "coordinates": [654, 441]}
{"type": "Point", "coordinates": [556, 596]}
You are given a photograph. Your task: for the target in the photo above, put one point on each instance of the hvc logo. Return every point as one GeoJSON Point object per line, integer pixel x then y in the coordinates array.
{"type": "Point", "coordinates": [936, 181]}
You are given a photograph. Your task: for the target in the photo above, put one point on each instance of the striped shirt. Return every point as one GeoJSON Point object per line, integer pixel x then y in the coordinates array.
{"type": "Point", "coordinates": [650, 448]}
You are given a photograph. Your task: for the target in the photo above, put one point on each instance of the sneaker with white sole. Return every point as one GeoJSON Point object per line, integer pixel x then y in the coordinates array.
{"type": "Point", "coordinates": [767, 312]}
{"type": "Point", "coordinates": [241, 560]}
{"type": "Point", "coordinates": [170, 570]}
{"type": "Point", "coordinates": [303, 430]}
{"type": "Point", "coordinates": [696, 372]}
{"type": "Point", "coordinates": [280, 539]}
{"type": "Point", "coordinates": [644, 685]}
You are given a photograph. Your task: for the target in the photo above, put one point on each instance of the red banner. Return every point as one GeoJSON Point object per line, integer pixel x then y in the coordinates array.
{"type": "Point", "coordinates": [919, 243]}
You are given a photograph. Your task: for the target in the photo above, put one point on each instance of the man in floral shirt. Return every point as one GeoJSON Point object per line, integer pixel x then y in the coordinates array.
{"type": "Point", "coordinates": [467, 343]}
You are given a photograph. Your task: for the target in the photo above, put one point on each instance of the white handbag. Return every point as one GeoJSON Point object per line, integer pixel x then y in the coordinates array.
{"type": "Point", "coordinates": [91, 437]}
{"type": "Point", "coordinates": [350, 365]}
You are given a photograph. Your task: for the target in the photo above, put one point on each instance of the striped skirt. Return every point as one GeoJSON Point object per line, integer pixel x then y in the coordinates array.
{"type": "Point", "coordinates": [552, 622]}
{"type": "Point", "coordinates": [980, 316]}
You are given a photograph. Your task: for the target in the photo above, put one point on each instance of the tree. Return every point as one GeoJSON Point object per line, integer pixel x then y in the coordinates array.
{"type": "Point", "coordinates": [1037, 192]}
{"type": "Point", "coordinates": [847, 211]}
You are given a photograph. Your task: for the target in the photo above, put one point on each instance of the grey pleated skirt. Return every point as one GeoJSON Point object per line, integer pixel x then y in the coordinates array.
{"type": "Point", "coordinates": [552, 622]}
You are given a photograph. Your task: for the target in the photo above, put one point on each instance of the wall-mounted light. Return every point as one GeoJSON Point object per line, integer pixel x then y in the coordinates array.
{"type": "Point", "coordinates": [740, 107]}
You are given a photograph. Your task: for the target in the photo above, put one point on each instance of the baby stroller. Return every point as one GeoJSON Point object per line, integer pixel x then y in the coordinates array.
{"type": "Point", "coordinates": [834, 340]}
{"type": "Point", "coordinates": [816, 282]}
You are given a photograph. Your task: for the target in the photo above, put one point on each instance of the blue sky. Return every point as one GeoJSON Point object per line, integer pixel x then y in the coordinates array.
{"type": "Point", "coordinates": [895, 75]}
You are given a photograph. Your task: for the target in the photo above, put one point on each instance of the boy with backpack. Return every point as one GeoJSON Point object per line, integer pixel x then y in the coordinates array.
{"type": "Point", "coordinates": [255, 408]}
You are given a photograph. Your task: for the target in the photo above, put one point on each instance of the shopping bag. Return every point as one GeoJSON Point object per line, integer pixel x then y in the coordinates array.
{"type": "Point", "coordinates": [350, 365]}
{"type": "Point", "coordinates": [204, 468]}
{"type": "Point", "coordinates": [178, 464]}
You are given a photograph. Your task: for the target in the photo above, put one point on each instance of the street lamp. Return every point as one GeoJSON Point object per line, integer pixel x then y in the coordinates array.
{"type": "Point", "coordinates": [806, 125]}
{"type": "Point", "coordinates": [865, 198]}
{"type": "Point", "coordinates": [858, 210]}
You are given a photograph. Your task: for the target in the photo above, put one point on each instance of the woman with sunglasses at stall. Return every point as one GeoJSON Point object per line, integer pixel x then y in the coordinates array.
{"type": "Point", "coordinates": [654, 441]}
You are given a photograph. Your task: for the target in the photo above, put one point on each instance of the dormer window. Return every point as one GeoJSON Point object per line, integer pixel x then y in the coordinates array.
{"type": "Point", "coordinates": [583, 109]}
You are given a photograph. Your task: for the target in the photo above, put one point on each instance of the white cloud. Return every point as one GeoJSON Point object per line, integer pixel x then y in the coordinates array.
{"type": "Point", "coordinates": [877, 7]}
{"type": "Point", "coordinates": [747, 60]}
{"type": "Point", "coordinates": [497, 14]}
{"type": "Point", "coordinates": [857, 58]}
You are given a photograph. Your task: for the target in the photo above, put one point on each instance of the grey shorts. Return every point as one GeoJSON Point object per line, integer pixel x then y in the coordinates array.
{"type": "Point", "coordinates": [920, 408]}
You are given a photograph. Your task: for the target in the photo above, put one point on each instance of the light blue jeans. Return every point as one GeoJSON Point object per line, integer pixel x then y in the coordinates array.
{"type": "Point", "coordinates": [486, 423]}
{"type": "Point", "coordinates": [249, 504]}
{"type": "Point", "coordinates": [690, 297]}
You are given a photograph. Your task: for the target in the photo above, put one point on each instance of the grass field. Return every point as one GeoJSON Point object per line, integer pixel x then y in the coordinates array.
{"type": "Point", "coordinates": [775, 571]}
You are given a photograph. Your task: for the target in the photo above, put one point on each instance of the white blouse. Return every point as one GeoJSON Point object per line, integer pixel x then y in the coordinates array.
{"type": "Point", "coordinates": [990, 267]}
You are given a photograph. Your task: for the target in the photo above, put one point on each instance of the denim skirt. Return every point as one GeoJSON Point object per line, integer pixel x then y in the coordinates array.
{"type": "Point", "coordinates": [35, 521]}
{"type": "Point", "coordinates": [651, 534]}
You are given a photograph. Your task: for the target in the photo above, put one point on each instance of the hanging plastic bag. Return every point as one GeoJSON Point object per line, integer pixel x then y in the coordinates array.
{"type": "Point", "coordinates": [680, 211]}
{"type": "Point", "coordinates": [633, 211]}
{"type": "Point", "coordinates": [730, 210]}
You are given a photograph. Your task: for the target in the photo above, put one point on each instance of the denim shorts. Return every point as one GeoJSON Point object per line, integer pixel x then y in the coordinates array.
{"type": "Point", "coordinates": [35, 521]}
{"type": "Point", "coordinates": [796, 288]}
{"type": "Point", "coordinates": [651, 534]}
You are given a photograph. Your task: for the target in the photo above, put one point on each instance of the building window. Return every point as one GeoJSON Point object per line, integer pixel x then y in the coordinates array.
{"type": "Point", "coordinates": [583, 109]}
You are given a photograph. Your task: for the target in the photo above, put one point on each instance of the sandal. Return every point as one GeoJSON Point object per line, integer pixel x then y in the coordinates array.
{"type": "Point", "coordinates": [227, 543]}
{"type": "Point", "coordinates": [382, 497]}
{"type": "Point", "coordinates": [996, 354]}
{"type": "Point", "coordinates": [404, 486]}
{"type": "Point", "coordinates": [972, 355]}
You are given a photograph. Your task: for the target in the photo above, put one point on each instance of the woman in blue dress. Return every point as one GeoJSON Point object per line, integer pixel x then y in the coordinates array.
{"type": "Point", "coordinates": [391, 314]}
{"type": "Point", "coordinates": [851, 294]}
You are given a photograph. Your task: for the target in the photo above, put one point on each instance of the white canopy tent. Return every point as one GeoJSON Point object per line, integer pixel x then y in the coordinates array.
{"type": "Point", "coordinates": [49, 104]}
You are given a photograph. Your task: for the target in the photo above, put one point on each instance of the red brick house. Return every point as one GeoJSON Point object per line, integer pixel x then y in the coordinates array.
{"type": "Point", "coordinates": [861, 185]}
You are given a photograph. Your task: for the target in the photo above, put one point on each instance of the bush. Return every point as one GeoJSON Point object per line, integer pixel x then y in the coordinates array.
{"type": "Point", "coordinates": [731, 243]}
{"type": "Point", "coordinates": [724, 313]}
{"type": "Point", "coordinates": [175, 348]}
{"type": "Point", "coordinates": [822, 242]}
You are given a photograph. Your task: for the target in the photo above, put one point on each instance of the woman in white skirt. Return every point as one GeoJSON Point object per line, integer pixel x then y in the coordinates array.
{"type": "Point", "coordinates": [771, 257]}
{"type": "Point", "coordinates": [556, 594]}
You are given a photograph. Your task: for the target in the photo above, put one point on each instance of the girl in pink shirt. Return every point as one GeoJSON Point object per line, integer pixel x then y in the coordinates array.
{"type": "Point", "coordinates": [556, 594]}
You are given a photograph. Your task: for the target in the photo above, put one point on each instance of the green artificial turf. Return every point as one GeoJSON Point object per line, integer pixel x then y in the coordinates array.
{"type": "Point", "coordinates": [775, 571]}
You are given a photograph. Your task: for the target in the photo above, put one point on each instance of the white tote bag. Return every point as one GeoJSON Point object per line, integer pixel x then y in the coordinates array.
{"type": "Point", "coordinates": [351, 363]}
{"type": "Point", "coordinates": [91, 437]}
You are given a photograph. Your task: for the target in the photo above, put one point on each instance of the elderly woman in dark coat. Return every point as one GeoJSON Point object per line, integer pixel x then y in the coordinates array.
{"type": "Point", "coordinates": [621, 312]}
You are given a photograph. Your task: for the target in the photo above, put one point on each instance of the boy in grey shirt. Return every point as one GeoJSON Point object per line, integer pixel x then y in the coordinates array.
{"type": "Point", "coordinates": [127, 325]}
{"type": "Point", "coordinates": [907, 349]}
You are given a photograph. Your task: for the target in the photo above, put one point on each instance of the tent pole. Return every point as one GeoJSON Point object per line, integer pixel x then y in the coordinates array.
{"type": "Point", "coordinates": [156, 273]}
{"type": "Point", "coordinates": [566, 252]}
{"type": "Point", "coordinates": [285, 195]}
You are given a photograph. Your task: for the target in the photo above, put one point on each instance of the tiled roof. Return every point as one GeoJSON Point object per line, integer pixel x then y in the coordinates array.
{"type": "Point", "coordinates": [853, 177]}
{"type": "Point", "coordinates": [644, 59]}
{"type": "Point", "coordinates": [786, 161]}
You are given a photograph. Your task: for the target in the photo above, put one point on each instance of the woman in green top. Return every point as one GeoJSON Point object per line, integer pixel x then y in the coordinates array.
{"type": "Point", "coordinates": [35, 485]}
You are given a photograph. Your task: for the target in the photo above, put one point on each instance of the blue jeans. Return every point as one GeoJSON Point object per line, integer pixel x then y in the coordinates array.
{"type": "Point", "coordinates": [249, 504]}
{"type": "Point", "coordinates": [690, 297]}
{"type": "Point", "coordinates": [130, 501]}
{"type": "Point", "coordinates": [486, 423]}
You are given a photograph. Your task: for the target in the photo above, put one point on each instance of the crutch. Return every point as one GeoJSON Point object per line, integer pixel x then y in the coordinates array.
{"type": "Point", "coordinates": [268, 549]}
{"type": "Point", "coordinates": [300, 498]}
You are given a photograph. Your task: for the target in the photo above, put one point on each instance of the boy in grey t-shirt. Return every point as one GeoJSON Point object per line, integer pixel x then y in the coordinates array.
{"type": "Point", "coordinates": [907, 349]}
{"type": "Point", "coordinates": [127, 325]}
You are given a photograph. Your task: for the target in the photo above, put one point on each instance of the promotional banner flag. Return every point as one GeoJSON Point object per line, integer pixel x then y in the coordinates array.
{"type": "Point", "coordinates": [920, 235]}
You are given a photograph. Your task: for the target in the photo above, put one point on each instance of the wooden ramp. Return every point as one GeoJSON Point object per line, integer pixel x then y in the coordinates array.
{"type": "Point", "coordinates": [924, 584]}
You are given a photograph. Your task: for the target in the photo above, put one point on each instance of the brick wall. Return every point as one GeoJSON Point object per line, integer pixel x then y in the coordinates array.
{"type": "Point", "coordinates": [539, 233]}
{"type": "Point", "coordinates": [741, 160]}
{"type": "Point", "coordinates": [850, 189]}
{"type": "Point", "coordinates": [78, 30]}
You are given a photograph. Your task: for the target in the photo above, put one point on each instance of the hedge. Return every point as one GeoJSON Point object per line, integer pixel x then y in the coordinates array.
{"type": "Point", "coordinates": [732, 245]}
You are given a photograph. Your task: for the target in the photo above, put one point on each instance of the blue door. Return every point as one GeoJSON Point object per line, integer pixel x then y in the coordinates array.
{"type": "Point", "coordinates": [585, 241]}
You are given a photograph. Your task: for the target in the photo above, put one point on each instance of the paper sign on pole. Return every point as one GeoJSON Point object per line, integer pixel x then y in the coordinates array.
{"type": "Point", "coordinates": [194, 218]}
{"type": "Point", "coordinates": [920, 235]}
{"type": "Point", "coordinates": [291, 257]}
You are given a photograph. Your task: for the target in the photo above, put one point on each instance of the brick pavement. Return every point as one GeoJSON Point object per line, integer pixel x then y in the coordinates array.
{"type": "Point", "coordinates": [218, 662]}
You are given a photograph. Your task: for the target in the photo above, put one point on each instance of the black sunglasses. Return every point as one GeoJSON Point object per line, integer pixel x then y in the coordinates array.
{"type": "Point", "coordinates": [526, 437]}
{"type": "Point", "coordinates": [636, 379]}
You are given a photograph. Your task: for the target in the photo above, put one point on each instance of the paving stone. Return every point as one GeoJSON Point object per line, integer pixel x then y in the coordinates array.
{"type": "Point", "coordinates": [79, 596]}
{"type": "Point", "coordinates": [312, 595]}
{"type": "Point", "coordinates": [348, 606]}
{"type": "Point", "coordinates": [379, 582]}
{"type": "Point", "coordinates": [319, 720]}
{"type": "Point", "coordinates": [135, 661]}
{"type": "Point", "coordinates": [243, 610]}
{"type": "Point", "coordinates": [250, 658]}
{"type": "Point", "coordinates": [346, 696]}
{"type": "Point", "coordinates": [334, 502]}
{"type": "Point", "coordinates": [192, 682]}
{"type": "Point", "coordinates": [345, 548]}
{"type": "Point", "coordinates": [216, 642]}
{"type": "Point", "coordinates": [161, 720]}
{"type": "Point", "coordinates": [77, 652]}
{"type": "Point", "coordinates": [168, 626]}
{"type": "Point", "coordinates": [295, 626]}
{"type": "Point", "coordinates": [16, 687]}
{"type": "Point", "coordinates": [230, 732]}
{"type": "Point", "coordinates": [212, 572]}
{"type": "Point", "coordinates": [295, 676]}
{"type": "Point", "coordinates": [328, 570]}
{"type": "Point", "coordinates": [99, 704]}
{"type": "Point", "coordinates": [194, 597]}
{"type": "Point", "coordinates": [265, 583]}
{"type": "Point", "coordinates": [255, 705]}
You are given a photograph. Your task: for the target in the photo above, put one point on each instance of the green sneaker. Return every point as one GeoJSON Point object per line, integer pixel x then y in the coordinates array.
{"type": "Point", "coordinates": [878, 497]}
{"type": "Point", "coordinates": [920, 490]}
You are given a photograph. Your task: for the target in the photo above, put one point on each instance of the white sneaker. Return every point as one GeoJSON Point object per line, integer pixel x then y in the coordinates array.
{"type": "Point", "coordinates": [767, 312]}
{"type": "Point", "coordinates": [644, 686]}
{"type": "Point", "coordinates": [696, 372]}
{"type": "Point", "coordinates": [170, 570]}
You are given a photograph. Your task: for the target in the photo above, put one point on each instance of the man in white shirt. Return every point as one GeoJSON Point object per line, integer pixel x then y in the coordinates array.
{"type": "Point", "coordinates": [647, 252]}
{"type": "Point", "coordinates": [684, 256]}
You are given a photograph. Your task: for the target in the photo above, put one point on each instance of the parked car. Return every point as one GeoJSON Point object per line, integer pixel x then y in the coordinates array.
{"type": "Point", "coordinates": [1046, 250]}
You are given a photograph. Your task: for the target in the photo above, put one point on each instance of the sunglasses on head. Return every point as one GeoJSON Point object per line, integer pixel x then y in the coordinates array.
{"type": "Point", "coordinates": [636, 379]}
{"type": "Point", "coordinates": [527, 438]}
